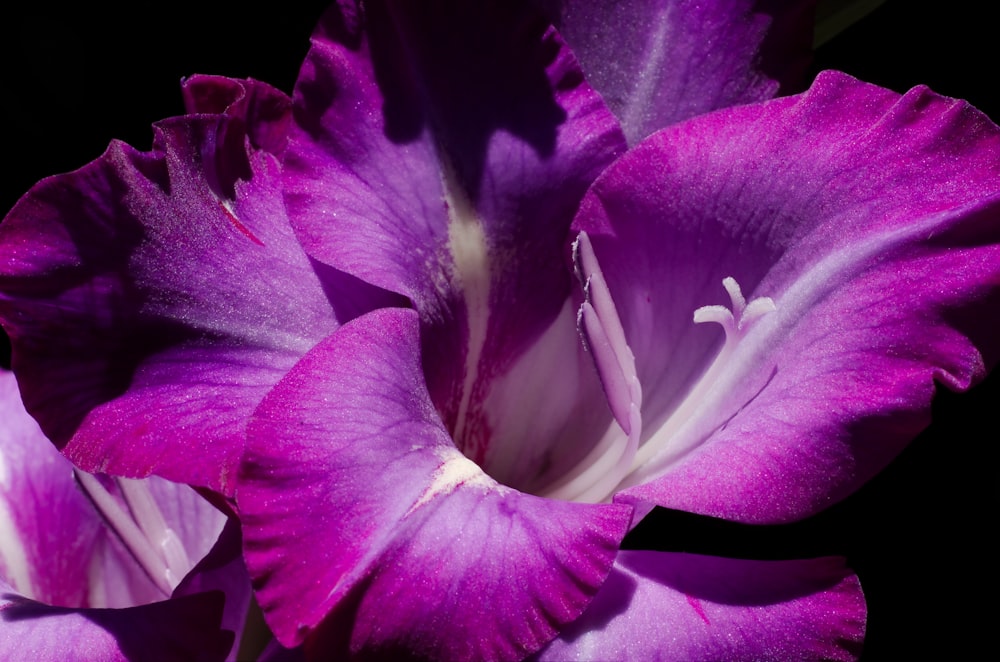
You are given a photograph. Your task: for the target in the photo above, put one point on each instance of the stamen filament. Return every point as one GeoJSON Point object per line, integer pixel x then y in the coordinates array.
{"type": "Point", "coordinates": [147, 515]}
{"type": "Point", "coordinates": [594, 478]}
{"type": "Point", "coordinates": [129, 532]}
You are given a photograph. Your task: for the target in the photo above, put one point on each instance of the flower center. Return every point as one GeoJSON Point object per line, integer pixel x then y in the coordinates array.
{"type": "Point", "coordinates": [615, 459]}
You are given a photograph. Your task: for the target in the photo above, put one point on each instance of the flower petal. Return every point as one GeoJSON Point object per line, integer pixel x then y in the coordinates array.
{"type": "Point", "coordinates": [718, 609]}
{"type": "Point", "coordinates": [55, 548]}
{"type": "Point", "coordinates": [182, 629]}
{"type": "Point", "coordinates": [265, 111]}
{"type": "Point", "coordinates": [223, 569]}
{"type": "Point", "coordinates": [440, 152]}
{"type": "Point", "coordinates": [657, 62]}
{"type": "Point", "coordinates": [43, 515]}
{"type": "Point", "coordinates": [870, 220]}
{"type": "Point", "coordinates": [355, 503]}
{"type": "Point", "coordinates": [60, 547]}
{"type": "Point", "coordinates": [152, 299]}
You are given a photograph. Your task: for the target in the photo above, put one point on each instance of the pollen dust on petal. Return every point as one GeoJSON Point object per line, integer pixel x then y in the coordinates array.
{"type": "Point", "coordinates": [455, 471]}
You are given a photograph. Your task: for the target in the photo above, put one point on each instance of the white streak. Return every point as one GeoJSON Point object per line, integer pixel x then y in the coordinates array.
{"type": "Point", "coordinates": [470, 255]}
{"type": "Point", "coordinates": [12, 553]}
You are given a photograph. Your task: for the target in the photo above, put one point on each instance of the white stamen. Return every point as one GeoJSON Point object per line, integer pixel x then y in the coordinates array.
{"type": "Point", "coordinates": [147, 515]}
{"type": "Point", "coordinates": [734, 320]}
{"type": "Point", "coordinates": [735, 295]}
{"type": "Point", "coordinates": [756, 309]}
{"type": "Point", "coordinates": [719, 315]}
{"type": "Point", "coordinates": [145, 553]}
{"type": "Point", "coordinates": [595, 476]}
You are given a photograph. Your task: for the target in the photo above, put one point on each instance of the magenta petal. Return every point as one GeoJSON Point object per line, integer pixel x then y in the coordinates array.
{"type": "Point", "coordinates": [669, 606]}
{"type": "Point", "coordinates": [181, 630]}
{"type": "Point", "coordinates": [657, 62]}
{"type": "Point", "coordinates": [871, 220]}
{"type": "Point", "coordinates": [152, 299]}
{"type": "Point", "coordinates": [356, 504]}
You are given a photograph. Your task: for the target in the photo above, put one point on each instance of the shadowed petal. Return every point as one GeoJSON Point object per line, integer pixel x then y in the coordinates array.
{"type": "Point", "coordinates": [180, 630]}
{"type": "Point", "coordinates": [356, 504]}
{"type": "Point", "coordinates": [657, 62]}
{"type": "Point", "coordinates": [870, 220]}
{"type": "Point", "coordinates": [669, 606]}
{"type": "Point", "coordinates": [440, 152]}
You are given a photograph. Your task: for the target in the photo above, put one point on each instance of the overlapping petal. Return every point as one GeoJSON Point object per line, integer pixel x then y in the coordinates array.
{"type": "Point", "coordinates": [152, 299]}
{"type": "Point", "coordinates": [30, 630]}
{"type": "Point", "coordinates": [69, 583]}
{"type": "Point", "coordinates": [670, 606]}
{"type": "Point", "coordinates": [440, 152]}
{"type": "Point", "coordinates": [356, 504]}
{"type": "Point", "coordinates": [658, 62]}
{"type": "Point", "coordinates": [871, 220]}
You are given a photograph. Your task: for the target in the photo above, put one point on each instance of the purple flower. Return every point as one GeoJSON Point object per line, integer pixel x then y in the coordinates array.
{"type": "Point", "coordinates": [227, 296]}
{"type": "Point", "coordinates": [96, 568]}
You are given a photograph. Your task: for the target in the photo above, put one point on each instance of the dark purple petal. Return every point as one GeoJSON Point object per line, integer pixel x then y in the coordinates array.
{"type": "Point", "coordinates": [264, 111]}
{"type": "Point", "coordinates": [223, 569]}
{"type": "Point", "coordinates": [669, 606]}
{"type": "Point", "coordinates": [358, 508]}
{"type": "Point", "coordinates": [871, 220]}
{"type": "Point", "coordinates": [440, 152]}
{"type": "Point", "coordinates": [657, 62]}
{"type": "Point", "coordinates": [152, 299]}
{"type": "Point", "coordinates": [181, 630]}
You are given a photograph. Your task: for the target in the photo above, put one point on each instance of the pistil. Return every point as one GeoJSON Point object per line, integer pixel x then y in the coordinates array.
{"type": "Point", "coordinates": [735, 321]}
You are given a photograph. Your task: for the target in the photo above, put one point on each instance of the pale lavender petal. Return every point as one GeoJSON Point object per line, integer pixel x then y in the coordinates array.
{"type": "Point", "coordinates": [181, 630]}
{"type": "Point", "coordinates": [59, 560]}
{"type": "Point", "coordinates": [358, 509]}
{"type": "Point", "coordinates": [152, 299]}
{"type": "Point", "coordinates": [48, 530]}
{"type": "Point", "coordinates": [669, 606]}
{"type": "Point", "coordinates": [657, 62]}
{"type": "Point", "coordinates": [59, 542]}
{"type": "Point", "coordinates": [440, 152]}
{"type": "Point", "coordinates": [871, 220]}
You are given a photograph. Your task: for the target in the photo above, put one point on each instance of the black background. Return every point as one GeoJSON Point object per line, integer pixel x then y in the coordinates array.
{"type": "Point", "coordinates": [918, 535]}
